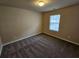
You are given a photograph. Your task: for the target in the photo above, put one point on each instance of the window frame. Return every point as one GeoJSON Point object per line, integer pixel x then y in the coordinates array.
{"type": "Point", "coordinates": [59, 22]}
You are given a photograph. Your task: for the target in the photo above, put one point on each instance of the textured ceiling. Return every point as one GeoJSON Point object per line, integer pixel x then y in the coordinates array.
{"type": "Point", "coordinates": [30, 4]}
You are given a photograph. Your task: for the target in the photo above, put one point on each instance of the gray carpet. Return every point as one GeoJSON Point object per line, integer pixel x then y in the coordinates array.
{"type": "Point", "coordinates": [41, 46]}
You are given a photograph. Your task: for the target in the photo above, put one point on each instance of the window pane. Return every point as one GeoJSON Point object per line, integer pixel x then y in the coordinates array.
{"type": "Point", "coordinates": [57, 18]}
{"type": "Point", "coordinates": [54, 22]}
{"type": "Point", "coordinates": [54, 27]}
{"type": "Point", "coordinates": [51, 17]}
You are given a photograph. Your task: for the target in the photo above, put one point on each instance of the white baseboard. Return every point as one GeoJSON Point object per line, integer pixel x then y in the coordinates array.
{"type": "Point", "coordinates": [63, 39]}
{"type": "Point", "coordinates": [19, 39]}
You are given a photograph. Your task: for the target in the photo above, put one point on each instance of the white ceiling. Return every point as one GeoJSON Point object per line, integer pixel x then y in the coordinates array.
{"type": "Point", "coordinates": [29, 4]}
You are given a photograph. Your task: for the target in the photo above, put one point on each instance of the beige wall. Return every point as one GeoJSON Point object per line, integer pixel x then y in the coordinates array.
{"type": "Point", "coordinates": [16, 23]}
{"type": "Point", "coordinates": [69, 24]}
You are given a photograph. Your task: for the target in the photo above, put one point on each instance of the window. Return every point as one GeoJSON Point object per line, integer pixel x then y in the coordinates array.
{"type": "Point", "coordinates": [54, 22]}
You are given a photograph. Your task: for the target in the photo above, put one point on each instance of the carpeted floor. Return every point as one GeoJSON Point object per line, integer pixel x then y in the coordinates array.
{"type": "Point", "coordinates": [40, 46]}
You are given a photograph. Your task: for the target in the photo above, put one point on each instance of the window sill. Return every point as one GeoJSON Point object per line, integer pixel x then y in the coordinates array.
{"type": "Point", "coordinates": [54, 31]}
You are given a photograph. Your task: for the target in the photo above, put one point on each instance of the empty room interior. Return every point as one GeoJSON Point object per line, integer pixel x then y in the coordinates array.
{"type": "Point", "coordinates": [39, 28]}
